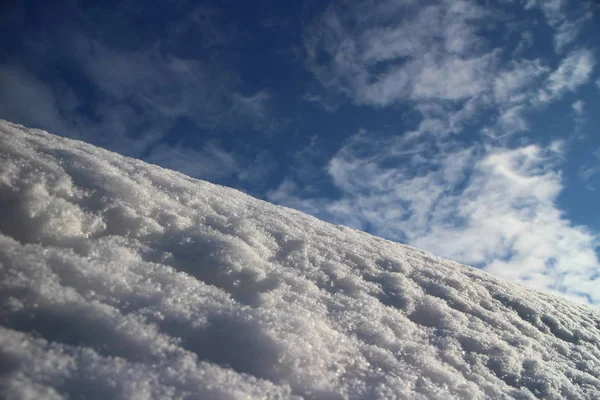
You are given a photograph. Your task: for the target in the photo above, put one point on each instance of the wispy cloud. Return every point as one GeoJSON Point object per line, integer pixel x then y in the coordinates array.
{"type": "Point", "coordinates": [26, 99]}
{"type": "Point", "coordinates": [567, 18]}
{"type": "Point", "coordinates": [589, 175]}
{"type": "Point", "coordinates": [492, 207]}
{"type": "Point", "coordinates": [437, 57]}
{"type": "Point", "coordinates": [125, 88]}
{"type": "Point", "coordinates": [578, 107]}
{"type": "Point", "coordinates": [491, 202]}
{"type": "Point", "coordinates": [589, 172]}
{"type": "Point", "coordinates": [579, 117]}
{"type": "Point", "coordinates": [210, 162]}
{"type": "Point", "coordinates": [573, 71]}
{"type": "Point", "coordinates": [423, 53]}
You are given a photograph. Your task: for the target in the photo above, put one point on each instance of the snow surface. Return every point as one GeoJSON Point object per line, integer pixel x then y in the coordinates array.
{"type": "Point", "coordinates": [120, 279]}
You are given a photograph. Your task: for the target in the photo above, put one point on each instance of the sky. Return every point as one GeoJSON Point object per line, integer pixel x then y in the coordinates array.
{"type": "Point", "coordinates": [465, 128]}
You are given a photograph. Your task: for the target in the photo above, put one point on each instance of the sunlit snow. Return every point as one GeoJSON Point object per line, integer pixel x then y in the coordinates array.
{"type": "Point", "coordinates": [123, 280]}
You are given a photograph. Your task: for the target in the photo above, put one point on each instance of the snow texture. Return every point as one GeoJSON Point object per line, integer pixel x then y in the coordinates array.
{"type": "Point", "coordinates": [124, 280]}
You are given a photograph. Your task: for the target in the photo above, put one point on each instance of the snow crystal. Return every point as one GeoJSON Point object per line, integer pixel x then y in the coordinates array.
{"type": "Point", "coordinates": [123, 280]}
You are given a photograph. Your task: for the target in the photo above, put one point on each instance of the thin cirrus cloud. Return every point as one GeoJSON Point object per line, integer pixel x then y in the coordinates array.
{"type": "Point", "coordinates": [214, 163]}
{"type": "Point", "coordinates": [210, 161]}
{"type": "Point", "coordinates": [170, 85]}
{"type": "Point", "coordinates": [574, 71]}
{"type": "Point", "coordinates": [27, 99]}
{"type": "Point", "coordinates": [491, 201]}
{"type": "Point", "coordinates": [557, 15]}
{"type": "Point", "coordinates": [495, 208]}
{"type": "Point", "coordinates": [126, 90]}
{"type": "Point", "coordinates": [589, 172]}
{"type": "Point", "coordinates": [422, 54]}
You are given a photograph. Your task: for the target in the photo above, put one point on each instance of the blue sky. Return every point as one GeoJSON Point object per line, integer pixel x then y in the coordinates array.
{"type": "Point", "coordinates": [466, 128]}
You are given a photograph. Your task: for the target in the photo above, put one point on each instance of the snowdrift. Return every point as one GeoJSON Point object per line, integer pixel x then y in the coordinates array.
{"type": "Point", "coordinates": [123, 280]}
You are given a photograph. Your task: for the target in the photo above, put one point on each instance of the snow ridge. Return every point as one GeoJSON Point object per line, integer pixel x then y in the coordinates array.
{"type": "Point", "coordinates": [120, 279]}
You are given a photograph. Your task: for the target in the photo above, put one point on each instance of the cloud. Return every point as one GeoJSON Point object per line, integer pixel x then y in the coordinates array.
{"type": "Point", "coordinates": [589, 175]}
{"type": "Point", "coordinates": [487, 206]}
{"type": "Point", "coordinates": [511, 224]}
{"type": "Point", "coordinates": [453, 78]}
{"type": "Point", "coordinates": [210, 162]}
{"type": "Point", "coordinates": [579, 116]}
{"type": "Point", "coordinates": [589, 172]}
{"type": "Point", "coordinates": [573, 71]}
{"type": "Point", "coordinates": [24, 98]}
{"type": "Point", "coordinates": [566, 17]}
{"type": "Point", "coordinates": [578, 107]}
{"type": "Point", "coordinates": [489, 200]}
{"type": "Point", "coordinates": [512, 84]}
{"type": "Point", "coordinates": [553, 10]}
{"type": "Point", "coordinates": [566, 34]}
{"type": "Point", "coordinates": [527, 86]}
{"type": "Point", "coordinates": [163, 88]}
{"type": "Point", "coordinates": [426, 52]}
{"type": "Point", "coordinates": [437, 60]}
{"type": "Point", "coordinates": [127, 88]}
{"type": "Point", "coordinates": [490, 203]}
{"type": "Point", "coordinates": [171, 86]}
{"type": "Point", "coordinates": [525, 42]}
{"type": "Point", "coordinates": [130, 86]}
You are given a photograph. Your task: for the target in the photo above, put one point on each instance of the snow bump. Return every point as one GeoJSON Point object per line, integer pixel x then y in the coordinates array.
{"type": "Point", "coordinates": [123, 280]}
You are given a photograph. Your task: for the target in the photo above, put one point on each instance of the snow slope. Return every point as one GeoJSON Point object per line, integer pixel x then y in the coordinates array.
{"type": "Point", "coordinates": [121, 279]}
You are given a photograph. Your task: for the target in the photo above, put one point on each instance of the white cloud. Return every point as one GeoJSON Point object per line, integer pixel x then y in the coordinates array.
{"type": "Point", "coordinates": [511, 225]}
{"type": "Point", "coordinates": [578, 107]}
{"type": "Point", "coordinates": [527, 86]}
{"type": "Point", "coordinates": [589, 172]}
{"type": "Point", "coordinates": [493, 207]}
{"type": "Point", "coordinates": [566, 34]}
{"type": "Point", "coordinates": [171, 86]}
{"type": "Point", "coordinates": [25, 99]}
{"type": "Point", "coordinates": [492, 202]}
{"type": "Point", "coordinates": [525, 43]}
{"type": "Point", "coordinates": [210, 162]}
{"type": "Point", "coordinates": [566, 17]}
{"type": "Point", "coordinates": [512, 120]}
{"type": "Point", "coordinates": [573, 71]}
{"type": "Point", "coordinates": [435, 59]}
{"type": "Point", "coordinates": [512, 85]}
{"type": "Point", "coordinates": [427, 52]}
{"type": "Point", "coordinates": [588, 175]}
{"type": "Point", "coordinates": [453, 78]}
{"type": "Point", "coordinates": [127, 94]}
{"type": "Point", "coordinates": [579, 116]}
{"type": "Point", "coordinates": [553, 10]}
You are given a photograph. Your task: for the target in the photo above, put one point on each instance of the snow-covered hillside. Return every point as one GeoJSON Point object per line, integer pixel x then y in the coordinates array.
{"type": "Point", "coordinates": [121, 279]}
